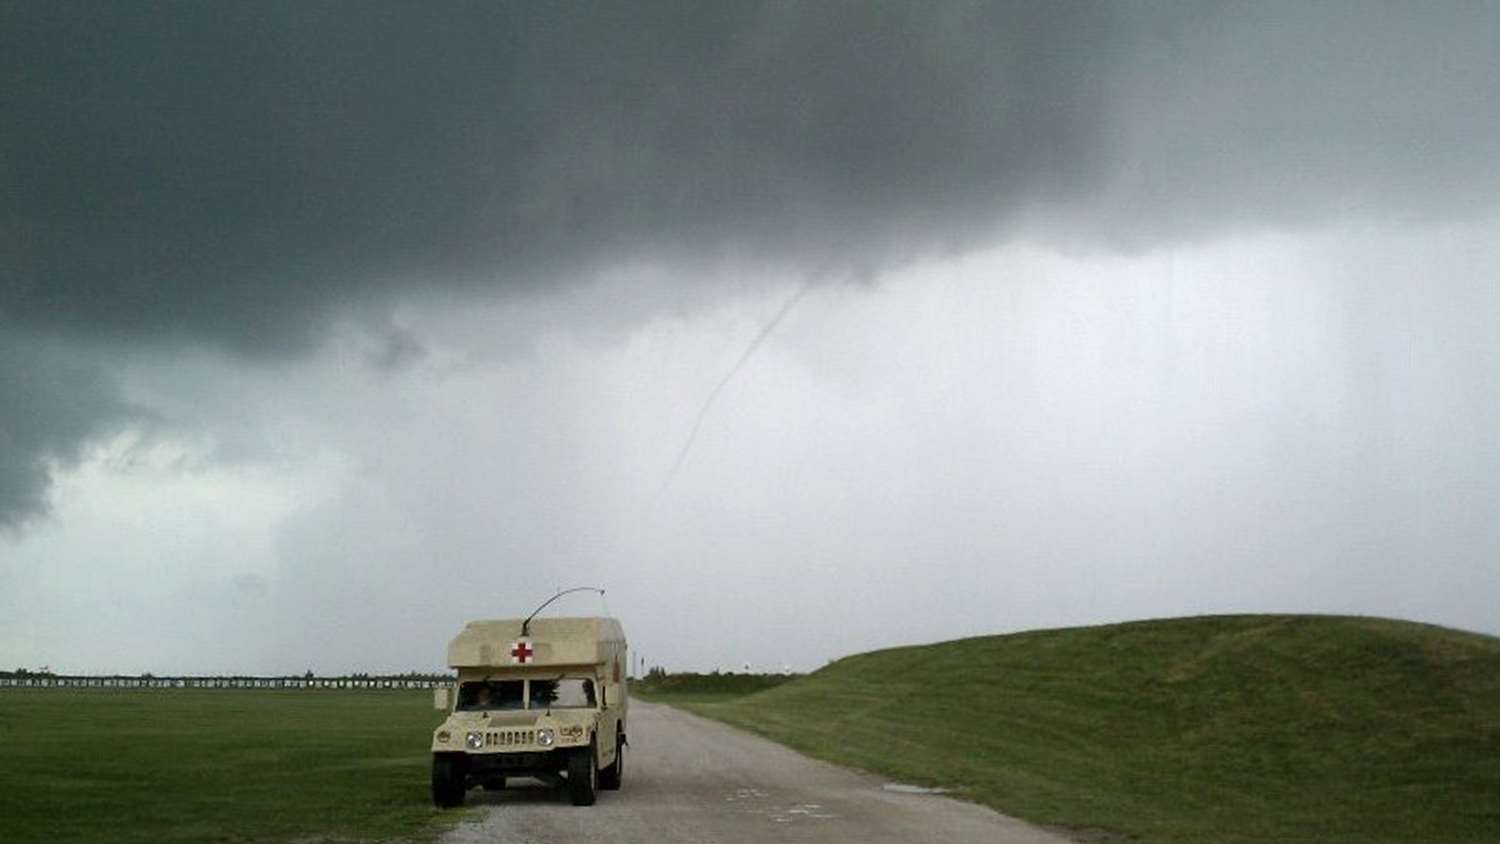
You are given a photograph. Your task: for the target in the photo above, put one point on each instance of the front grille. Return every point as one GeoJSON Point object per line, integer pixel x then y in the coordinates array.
{"type": "Point", "coordinates": [509, 738]}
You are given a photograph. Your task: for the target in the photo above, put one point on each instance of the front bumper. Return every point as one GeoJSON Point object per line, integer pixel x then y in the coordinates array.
{"type": "Point", "coordinates": [522, 763]}
{"type": "Point", "coordinates": [456, 738]}
{"type": "Point", "coordinates": [486, 768]}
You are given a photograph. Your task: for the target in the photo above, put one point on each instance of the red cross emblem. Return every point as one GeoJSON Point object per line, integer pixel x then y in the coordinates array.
{"type": "Point", "coordinates": [521, 652]}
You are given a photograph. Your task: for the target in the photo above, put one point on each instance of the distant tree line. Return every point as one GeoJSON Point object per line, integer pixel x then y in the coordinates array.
{"type": "Point", "coordinates": [46, 678]}
{"type": "Point", "coordinates": [659, 681]}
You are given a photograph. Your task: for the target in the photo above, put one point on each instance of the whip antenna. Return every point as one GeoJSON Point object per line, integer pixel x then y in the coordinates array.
{"type": "Point", "coordinates": [526, 625]}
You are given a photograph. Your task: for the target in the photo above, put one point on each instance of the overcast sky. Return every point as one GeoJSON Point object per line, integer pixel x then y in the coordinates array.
{"type": "Point", "coordinates": [801, 329]}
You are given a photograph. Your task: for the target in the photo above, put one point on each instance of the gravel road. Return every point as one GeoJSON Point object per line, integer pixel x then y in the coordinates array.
{"type": "Point", "coordinates": [688, 779]}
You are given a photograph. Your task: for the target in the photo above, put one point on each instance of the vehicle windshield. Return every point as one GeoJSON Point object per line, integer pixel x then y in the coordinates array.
{"type": "Point", "coordinates": [559, 693]}
{"type": "Point", "coordinates": [492, 694]}
{"type": "Point", "coordinates": [563, 693]}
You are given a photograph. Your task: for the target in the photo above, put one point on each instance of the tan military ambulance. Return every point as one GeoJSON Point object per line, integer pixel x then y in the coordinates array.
{"type": "Point", "coordinates": [544, 698]}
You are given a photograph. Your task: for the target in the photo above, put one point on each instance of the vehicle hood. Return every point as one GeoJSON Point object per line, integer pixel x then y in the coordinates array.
{"type": "Point", "coordinates": [498, 718]}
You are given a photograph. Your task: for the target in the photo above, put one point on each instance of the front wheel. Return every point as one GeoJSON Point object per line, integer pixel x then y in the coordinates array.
{"type": "Point", "coordinates": [609, 778]}
{"type": "Point", "coordinates": [448, 780]}
{"type": "Point", "coordinates": [583, 776]}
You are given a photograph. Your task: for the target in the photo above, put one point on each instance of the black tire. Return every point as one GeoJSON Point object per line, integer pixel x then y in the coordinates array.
{"type": "Point", "coordinates": [494, 784]}
{"type": "Point", "coordinates": [448, 771]}
{"type": "Point", "coordinates": [609, 778]}
{"type": "Point", "coordinates": [583, 776]}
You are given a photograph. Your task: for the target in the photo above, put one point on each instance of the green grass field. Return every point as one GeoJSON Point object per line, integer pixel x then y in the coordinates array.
{"type": "Point", "coordinates": [1218, 729]}
{"type": "Point", "coordinates": [216, 765]}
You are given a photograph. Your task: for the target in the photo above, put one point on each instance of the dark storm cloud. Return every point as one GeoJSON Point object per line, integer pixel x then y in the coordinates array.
{"type": "Point", "coordinates": [52, 403]}
{"type": "Point", "coordinates": [1259, 115]}
{"type": "Point", "coordinates": [236, 174]}
{"type": "Point", "coordinates": [232, 173]}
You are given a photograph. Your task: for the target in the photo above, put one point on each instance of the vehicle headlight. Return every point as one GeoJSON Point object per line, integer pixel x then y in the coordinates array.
{"type": "Point", "coordinates": [443, 736]}
{"type": "Point", "coordinates": [544, 737]}
{"type": "Point", "coordinates": [474, 740]}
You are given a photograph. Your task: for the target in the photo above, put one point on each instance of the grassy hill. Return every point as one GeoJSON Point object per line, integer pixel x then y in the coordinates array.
{"type": "Point", "coordinates": [1233, 728]}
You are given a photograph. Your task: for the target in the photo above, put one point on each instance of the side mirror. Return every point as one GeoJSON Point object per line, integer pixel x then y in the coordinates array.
{"type": "Point", "coordinates": [440, 697]}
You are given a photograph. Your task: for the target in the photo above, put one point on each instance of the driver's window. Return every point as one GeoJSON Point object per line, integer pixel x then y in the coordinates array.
{"type": "Point", "coordinates": [491, 695]}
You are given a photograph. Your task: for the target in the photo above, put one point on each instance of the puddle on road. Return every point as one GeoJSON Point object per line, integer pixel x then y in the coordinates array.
{"type": "Point", "coordinates": [777, 814]}
{"type": "Point", "coordinates": [810, 811]}
{"type": "Point", "coordinates": [903, 788]}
